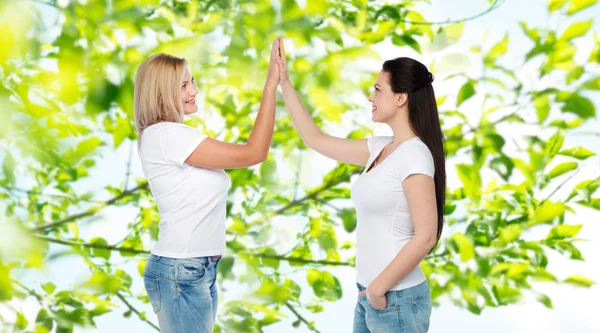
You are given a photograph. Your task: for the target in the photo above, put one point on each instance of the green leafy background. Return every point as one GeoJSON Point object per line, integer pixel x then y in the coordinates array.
{"type": "Point", "coordinates": [78, 219]}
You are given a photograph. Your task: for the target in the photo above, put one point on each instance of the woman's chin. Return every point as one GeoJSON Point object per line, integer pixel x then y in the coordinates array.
{"type": "Point", "coordinates": [190, 110]}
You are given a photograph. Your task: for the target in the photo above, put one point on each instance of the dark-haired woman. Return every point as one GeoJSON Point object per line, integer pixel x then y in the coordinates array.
{"type": "Point", "coordinates": [399, 197]}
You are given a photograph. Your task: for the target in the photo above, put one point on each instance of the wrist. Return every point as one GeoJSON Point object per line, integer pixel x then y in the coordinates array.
{"type": "Point", "coordinates": [270, 87]}
{"type": "Point", "coordinates": [376, 290]}
{"type": "Point", "coordinates": [285, 83]}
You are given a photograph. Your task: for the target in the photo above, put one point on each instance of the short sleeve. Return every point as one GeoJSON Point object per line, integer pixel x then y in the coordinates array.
{"type": "Point", "coordinates": [178, 141]}
{"type": "Point", "coordinates": [417, 160]}
{"type": "Point", "coordinates": [377, 141]}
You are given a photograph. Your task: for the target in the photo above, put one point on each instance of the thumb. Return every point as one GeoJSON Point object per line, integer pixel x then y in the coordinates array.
{"type": "Point", "coordinates": [362, 293]}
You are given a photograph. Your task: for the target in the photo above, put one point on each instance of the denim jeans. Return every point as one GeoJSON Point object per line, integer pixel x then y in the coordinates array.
{"type": "Point", "coordinates": [183, 293]}
{"type": "Point", "coordinates": [407, 311]}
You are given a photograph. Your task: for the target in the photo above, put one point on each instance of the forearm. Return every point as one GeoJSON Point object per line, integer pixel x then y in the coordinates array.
{"type": "Point", "coordinates": [262, 132]}
{"type": "Point", "coordinates": [306, 126]}
{"type": "Point", "coordinates": [405, 261]}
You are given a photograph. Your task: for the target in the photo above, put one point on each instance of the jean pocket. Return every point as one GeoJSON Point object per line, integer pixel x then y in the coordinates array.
{"type": "Point", "coordinates": [190, 275]}
{"type": "Point", "coordinates": [421, 306]}
{"type": "Point", "coordinates": [153, 290]}
{"type": "Point", "coordinates": [390, 303]}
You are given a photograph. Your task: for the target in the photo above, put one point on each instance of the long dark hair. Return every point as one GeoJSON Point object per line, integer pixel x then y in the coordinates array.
{"type": "Point", "coordinates": [409, 76]}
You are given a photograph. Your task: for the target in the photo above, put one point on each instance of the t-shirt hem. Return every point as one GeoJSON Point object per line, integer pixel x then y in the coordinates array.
{"type": "Point", "coordinates": [179, 255]}
{"type": "Point", "coordinates": [399, 286]}
{"type": "Point", "coordinates": [417, 172]}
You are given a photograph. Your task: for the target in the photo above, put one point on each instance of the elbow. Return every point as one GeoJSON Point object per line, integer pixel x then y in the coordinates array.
{"type": "Point", "coordinates": [256, 157]}
{"type": "Point", "coordinates": [262, 157]}
{"type": "Point", "coordinates": [312, 141]}
{"type": "Point", "coordinates": [428, 240]}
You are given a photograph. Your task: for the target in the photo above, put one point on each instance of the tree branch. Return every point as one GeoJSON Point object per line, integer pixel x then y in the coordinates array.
{"type": "Point", "coordinates": [301, 260]}
{"type": "Point", "coordinates": [92, 246]}
{"type": "Point", "coordinates": [92, 210]}
{"type": "Point", "coordinates": [561, 185]}
{"type": "Point", "coordinates": [138, 251]}
{"type": "Point", "coordinates": [134, 310]}
{"type": "Point", "coordinates": [315, 193]}
{"type": "Point", "coordinates": [46, 3]}
{"type": "Point", "coordinates": [310, 325]}
{"type": "Point", "coordinates": [495, 5]}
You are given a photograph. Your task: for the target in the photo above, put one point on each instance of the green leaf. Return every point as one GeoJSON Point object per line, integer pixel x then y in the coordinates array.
{"type": "Point", "coordinates": [554, 144]}
{"type": "Point", "coordinates": [8, 168]}
{"type": "Point", "coordinates": [545, 300]}
{"type": "Point", "coordinates": [268, 171]}
{"type": "Point", "coordinates": [509, 234]}
{"type": "Point", "coordinates": [464, 245]}
{"type": "Point", "coordinates": [577, 5]}
{"type": "Point", "coordinates": [401, 40]}
{"type": "Point", "coordinates": [49, 287]}
{"type": "Point", "coordinates": [270, 262]}
{"type": "Point", "coordinates": [575, 30]}
{"type": "Point", "coordinates": [102, 253]}
{"type": "Point", "coordinates": [471, 179]}
{"type": "Point", "coordinates": [548, 211]}
{"type": "Point", "coordinates": [324, 284]}
{"type": "Point", "coordinates": [225, 267]}
{"type": "Point", "coordinates": [592, 84]}
{"type": "Point", "coordinates": [592, 203]}
{"type": "Point", "coordinates": [562, 168]}
{"type": "Point", "coordinates": [506, 295]}
{"type": "Point", "coordinates": [580, 106]}
{"type": "Point", "coordinates": [580, 280]}
{"type": "Point", "coordinates": [579, 153]}
{"type": "Point", "coordinates": [542, 107]}
{"type": "Point", "coordinates": [466, 91]}
{"type": "Point", "coordinates": [21, 321]}
{"type": "Point", "coordinates": [84, 148]}
{"type": "Point", "coordinates": [496, 51]}
{"type": "Point", "coordinates": [562, 231]}
{"type": "Point", "coordinates": [532, 33]}
{"type": "Point", "coordinates": [44, 320]}
{"type": "Point", "coordinates": [575, 74]}
{"type": "Point", "coordinates": [554, 5]}
{"type": "Point", "coordinates": [449, 208]}
{"type": "Point", "coordinates": [348, 216]}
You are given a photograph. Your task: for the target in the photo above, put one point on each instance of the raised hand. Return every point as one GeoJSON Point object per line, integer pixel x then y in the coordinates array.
{"type": "Point", "coordinates": [282, 63]}
{"type": "Point", "coordinates": [273, 75]}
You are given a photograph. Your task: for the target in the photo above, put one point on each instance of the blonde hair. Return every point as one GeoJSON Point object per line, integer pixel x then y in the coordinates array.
{"type": "Point", "coordinates": [156, 93]}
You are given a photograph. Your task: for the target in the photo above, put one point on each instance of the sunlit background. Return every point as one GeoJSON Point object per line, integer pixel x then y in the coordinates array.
{"type": "Point", "coordinates": [517, 85]}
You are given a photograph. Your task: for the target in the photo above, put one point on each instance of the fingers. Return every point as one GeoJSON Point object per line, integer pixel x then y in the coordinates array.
{"type": "Point", "coordinates": [281, 48]}
{"type": "Point", "coordinates": [275, 48]}
{"type": "Point", "coordinates": [362, 293]}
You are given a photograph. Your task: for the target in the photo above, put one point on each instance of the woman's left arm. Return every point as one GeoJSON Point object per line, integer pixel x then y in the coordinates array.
{"type": "Point", "coordinates": [420, 194]}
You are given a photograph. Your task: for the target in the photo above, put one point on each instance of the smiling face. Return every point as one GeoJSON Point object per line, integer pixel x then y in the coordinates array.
{"type": "Point", "coordinates": [188, 93]}
{"type": "Point", "coordinates": [384, 101]}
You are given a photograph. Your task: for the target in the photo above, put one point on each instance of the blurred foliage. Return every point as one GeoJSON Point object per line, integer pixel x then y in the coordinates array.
{"type": "Point", "coordinates": [67, 70]}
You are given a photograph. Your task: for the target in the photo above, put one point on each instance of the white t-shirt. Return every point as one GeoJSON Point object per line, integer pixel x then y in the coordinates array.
{"type": "Point", "coordinates": [384, 225]}
{"type": "Point", "coordinates": [191, 201]}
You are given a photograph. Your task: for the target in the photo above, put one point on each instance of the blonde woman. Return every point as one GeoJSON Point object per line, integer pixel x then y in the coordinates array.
{"type": "Point", "coordinates": [185, 172]}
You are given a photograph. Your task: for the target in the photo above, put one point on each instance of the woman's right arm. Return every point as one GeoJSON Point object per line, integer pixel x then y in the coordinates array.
{"type": "Point", "coordinates": [215, 154]}
{"type": "Point", "coordinates": [343, 150]}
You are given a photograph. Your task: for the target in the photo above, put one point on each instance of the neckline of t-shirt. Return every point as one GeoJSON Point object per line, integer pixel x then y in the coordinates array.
{"type": "Point", "coordinates": [390, 155]}
{"type": "Point", "coordinates": [163, 123]}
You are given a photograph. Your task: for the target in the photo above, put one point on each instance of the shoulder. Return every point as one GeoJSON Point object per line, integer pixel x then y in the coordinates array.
{"type": "Point", "coordinates": [378, 141]}
{"type": "Point", "coordinates": [414, 146]}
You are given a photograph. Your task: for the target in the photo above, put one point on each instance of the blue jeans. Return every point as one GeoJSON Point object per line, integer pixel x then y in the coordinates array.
{"type": "Point", "coordinates": [183, 293]}
{"type": "Point", "coordinates": [407, 311]}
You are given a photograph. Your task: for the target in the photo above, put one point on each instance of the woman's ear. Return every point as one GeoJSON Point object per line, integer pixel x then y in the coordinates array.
{"type": "Point", "coordinates": [402, 99]}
